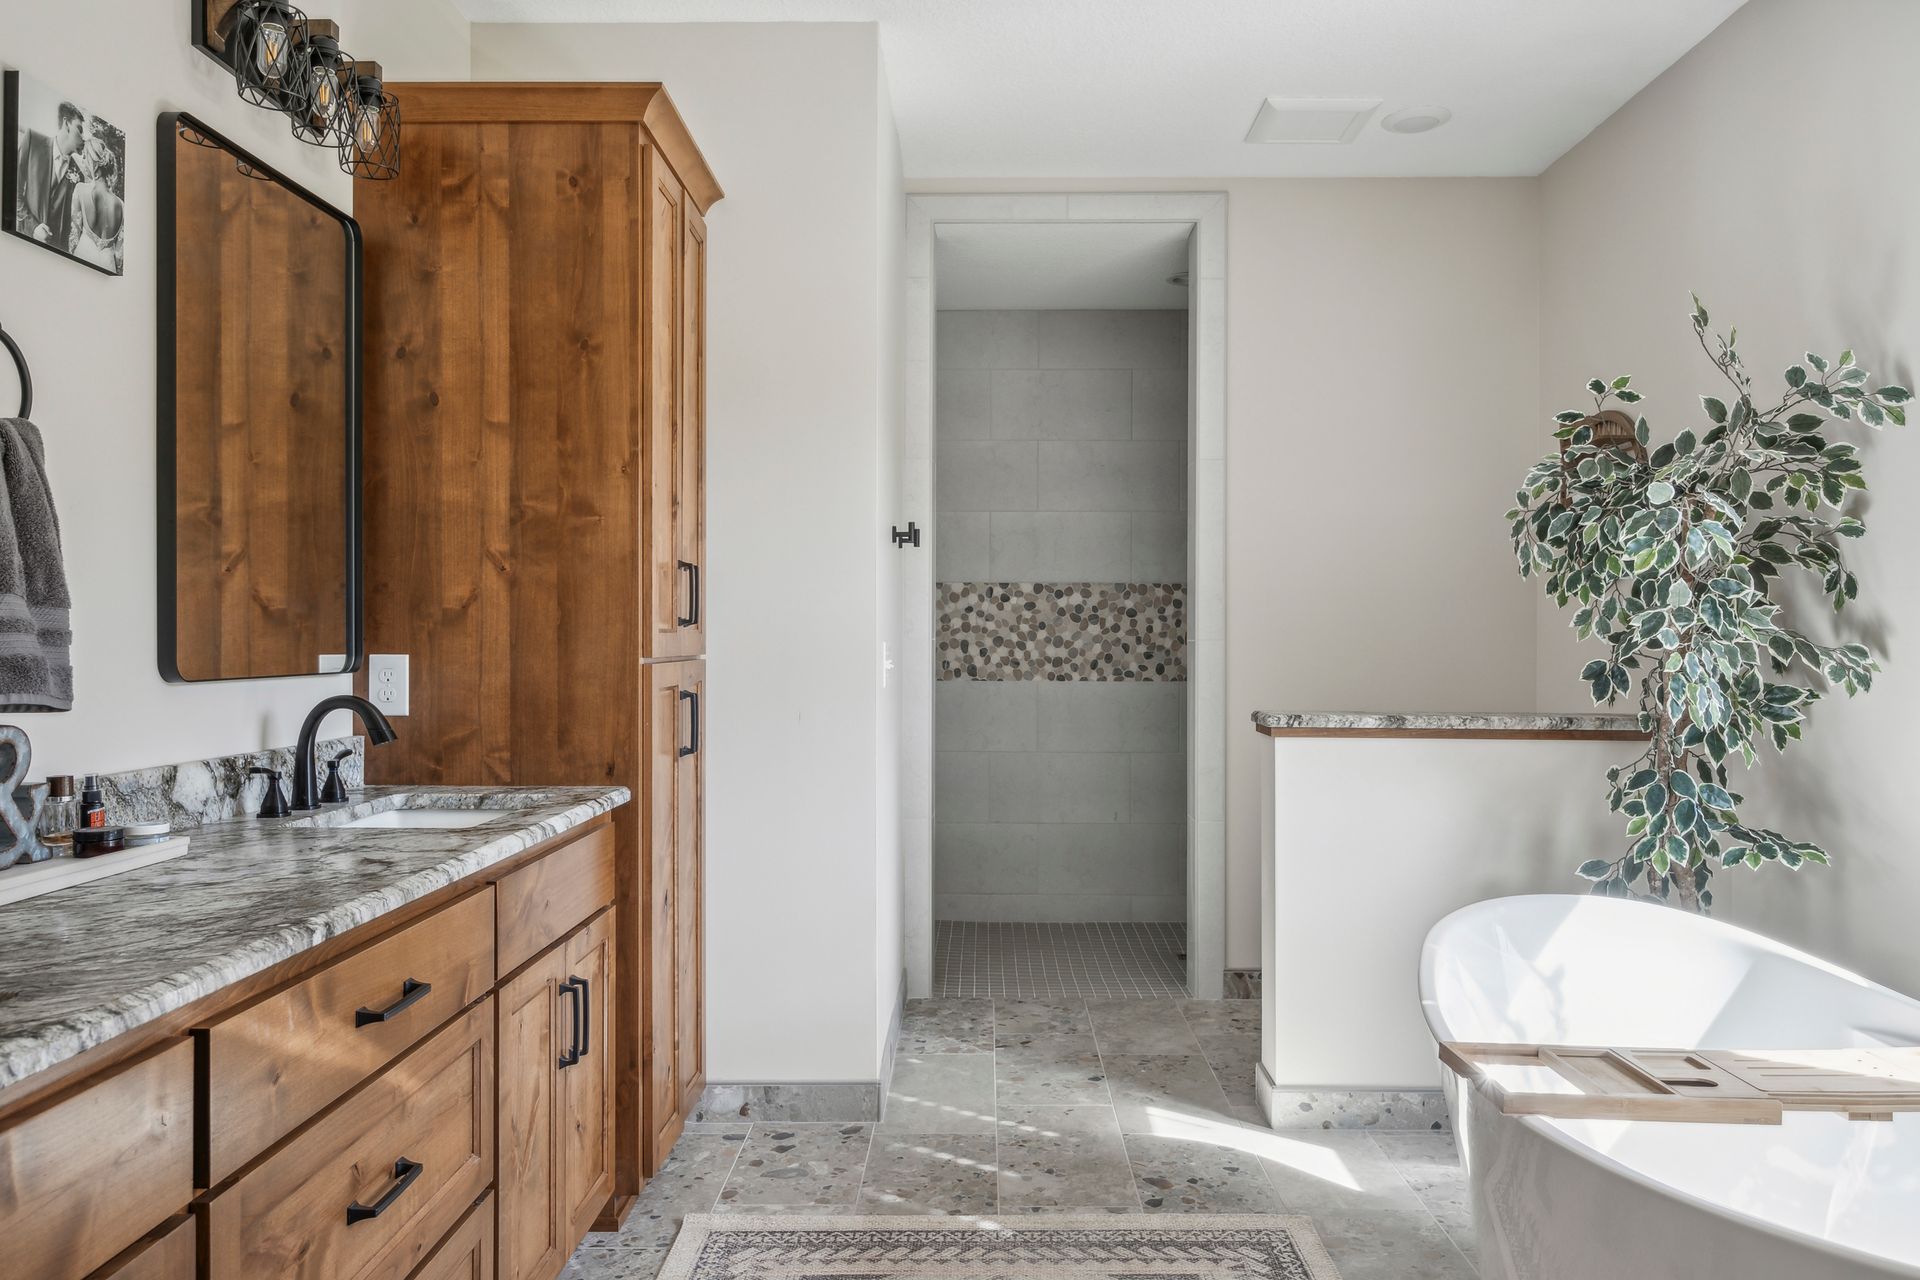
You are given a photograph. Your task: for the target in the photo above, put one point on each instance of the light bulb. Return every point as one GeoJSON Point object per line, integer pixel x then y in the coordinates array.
{"type": "Point", "coordinates": [270, 56]}
{"type": "Point", "coordinates": [366, 128]}
{"type": "Point", "coordinates": [326, 94]}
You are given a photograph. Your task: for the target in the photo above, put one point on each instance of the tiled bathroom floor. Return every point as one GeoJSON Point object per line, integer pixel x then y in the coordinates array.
{"type": "Point", "coordinates": [976, 959]}
{"type": "Point", "coordinates": [1003, 1107]}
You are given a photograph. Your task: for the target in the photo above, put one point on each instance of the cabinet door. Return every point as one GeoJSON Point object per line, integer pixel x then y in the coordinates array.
{"type": "Point", "coordinates": [690, 497]}
{"type": "Point", "coordinates": [673, 590]}
{"type": "Point", "coordinates": [676, 1022]}
{"type": "Point", "coordinates": [535, 1030]}
{"type": "Point", "coordinates": [586, 1080]}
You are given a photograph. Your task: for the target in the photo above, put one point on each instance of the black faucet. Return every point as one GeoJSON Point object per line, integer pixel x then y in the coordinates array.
{"type": "Point", "coordinates": [378, 731]}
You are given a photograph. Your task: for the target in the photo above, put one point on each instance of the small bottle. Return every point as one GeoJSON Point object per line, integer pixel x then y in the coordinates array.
{"type": "Point", "coordinates": [93, 808]}
{"type": "Point", "coordinates": [60, 815]}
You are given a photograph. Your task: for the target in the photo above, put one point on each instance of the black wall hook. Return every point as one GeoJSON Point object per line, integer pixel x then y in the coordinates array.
{"type": "Point", "coordinates": [26, 376]}
{"type": "Point", "coordinates": [907, 537]}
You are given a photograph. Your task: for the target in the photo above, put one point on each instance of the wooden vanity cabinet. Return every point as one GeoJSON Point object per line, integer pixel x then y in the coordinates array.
{"type": "Point", "coordinates": [672, 809]}
{"type": "Point", "coordinates": [85, 1176]}
{"type": "Point", "coordinates": [535, 360]}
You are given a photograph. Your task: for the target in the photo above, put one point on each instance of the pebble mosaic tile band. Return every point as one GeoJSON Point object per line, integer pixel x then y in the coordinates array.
{"type": "Point", "coordinates": [1098, 631]}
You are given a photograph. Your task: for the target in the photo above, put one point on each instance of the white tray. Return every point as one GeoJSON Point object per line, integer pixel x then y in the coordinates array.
{"type": "Point", "coordinates": [30, 880]}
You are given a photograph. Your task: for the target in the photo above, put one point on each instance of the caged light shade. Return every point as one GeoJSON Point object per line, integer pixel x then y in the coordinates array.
{"type": "Point", "coordinates": [370, 125]}
{"type": "Point", "coordinates": [265, 47]}
{"type": "Point", "coordinates": [317, 109]}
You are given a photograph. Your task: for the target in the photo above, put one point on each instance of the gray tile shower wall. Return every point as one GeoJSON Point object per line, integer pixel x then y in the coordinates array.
{"type": "Point", "coordinates": [1060, 712]}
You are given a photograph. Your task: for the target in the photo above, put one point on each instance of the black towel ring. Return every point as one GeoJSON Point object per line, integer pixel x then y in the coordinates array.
{"type": "Point", "coordinates": [26, 378]}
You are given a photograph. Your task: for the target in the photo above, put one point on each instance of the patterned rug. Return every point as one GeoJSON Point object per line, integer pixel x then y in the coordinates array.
{"type": "Point", "coordinates": [1225, 1247]}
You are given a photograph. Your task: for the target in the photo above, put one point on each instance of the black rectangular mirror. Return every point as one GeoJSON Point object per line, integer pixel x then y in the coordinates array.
{"type": "Point", "coordinates": [259, 415]}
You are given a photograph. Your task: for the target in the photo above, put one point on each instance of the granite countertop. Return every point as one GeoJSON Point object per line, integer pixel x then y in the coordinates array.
{"type": "Point", "coordinates": [79, 967]}
{"type": "Point", "coordinates": [1491, 724]}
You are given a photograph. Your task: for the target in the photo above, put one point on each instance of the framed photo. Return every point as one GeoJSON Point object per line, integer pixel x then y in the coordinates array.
{"type": "Point", "coordinates": [63, 175]}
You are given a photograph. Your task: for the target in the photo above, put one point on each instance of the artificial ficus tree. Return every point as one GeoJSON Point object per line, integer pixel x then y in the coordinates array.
{"type": "Point", "coordinates": [1673, 557]}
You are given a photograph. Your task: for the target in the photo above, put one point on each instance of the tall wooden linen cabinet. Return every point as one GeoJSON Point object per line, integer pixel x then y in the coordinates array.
{"type": "Point", "coordinates": [536, 543]}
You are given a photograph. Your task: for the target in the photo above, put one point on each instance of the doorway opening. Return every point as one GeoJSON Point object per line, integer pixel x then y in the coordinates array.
{"type": "Point", "coordinates": [1061, 446]}
{"type": "Point", "coordinates": [1202, 217]}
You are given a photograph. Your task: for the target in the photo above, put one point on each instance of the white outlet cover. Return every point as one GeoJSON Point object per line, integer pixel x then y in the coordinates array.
{"type": "Point", "coordinates": [387, 682]}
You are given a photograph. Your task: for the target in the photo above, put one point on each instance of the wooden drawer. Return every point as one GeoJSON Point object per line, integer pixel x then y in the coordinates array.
{"type": "Point", "coordinates": [86, 1177]}
{"type": "Point", "coordinates": [171, 1253]}
{"type": "Point", "coordinates": [546, 900]}
{"type": "Point", "coordinates": [338, 1203]}
{"type": "Point", "coordinates": [277, 1063]}
{"type": "Point", "coordinates": [467, 1254]}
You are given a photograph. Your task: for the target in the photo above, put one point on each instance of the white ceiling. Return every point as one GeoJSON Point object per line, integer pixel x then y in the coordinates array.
{"type": "Point", "coordinates": [1059, 266]}
{"type": "Point", "coordinates": [1167, 88]}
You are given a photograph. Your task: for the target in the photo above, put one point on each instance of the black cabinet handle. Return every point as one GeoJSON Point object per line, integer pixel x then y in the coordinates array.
{"type": "Point", "coordinates": [586, 1016]}
{"type": "Point", "coordinates": [692, 617]}
{"type": "Point", "coordinates": [572, 1055]}
{"type": "Point", "coordinates": [405, 1171]}
{"type": "Point", "coordinates": [693, 723]}
{"type": "Point", "coordinates": [412, 992]}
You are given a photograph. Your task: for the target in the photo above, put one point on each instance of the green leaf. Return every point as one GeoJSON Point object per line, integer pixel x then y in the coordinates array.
{"type": "Point", "coordinates": [1716, 408]}
{"type": "Point", "coordinates": [1595, 869]}
{"type": "Point", "coordinates": [1598, 387]}
{"type": "Point", "coordinates": [1659, 493]}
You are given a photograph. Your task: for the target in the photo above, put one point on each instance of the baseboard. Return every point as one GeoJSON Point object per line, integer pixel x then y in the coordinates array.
{"type": "Point", "coordinates": [851, 1101]}
{"type": "Point", "coordinates": [831, 1101]}
{"type": "Point", "coordinates": [1241, 984]}
{"type": "Point", "coordinates": [1400, 1110]}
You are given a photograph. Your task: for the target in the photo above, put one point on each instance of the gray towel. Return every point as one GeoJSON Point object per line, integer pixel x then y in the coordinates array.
{"type": "Point", "coordinates": [36, 667]}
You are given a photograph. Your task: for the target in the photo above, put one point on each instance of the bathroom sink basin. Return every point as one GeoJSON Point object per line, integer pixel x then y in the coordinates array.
{"type": "Point", "coordinates": [436, 819]}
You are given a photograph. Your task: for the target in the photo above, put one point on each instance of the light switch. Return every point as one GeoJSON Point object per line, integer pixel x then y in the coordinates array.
{"type": "Point", "coordinates": [387, 682]}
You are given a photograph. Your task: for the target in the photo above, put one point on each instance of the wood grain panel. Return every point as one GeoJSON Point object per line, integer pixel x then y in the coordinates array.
{"type": "Point", "coordinates": [585, 1137]}
{"type": "Point", "coordinates": [542, 903]}
{"type": "Point", "coordinates": [260, 481]}
{"type": "Point", "coordinates": [88, 1175]}
{"type": "Point", "coordinates": [533, 1033]}
{"type": "Point", "coordinates": [467, 1254]}
{"type": "Point", "coordinates": [668, 597]}
{"type": "Point", "coordinates": [287, 1217]}
{"type": "Point", "coordinates": [274, 1064]}
{"type": "Point", "coordinates": [170, 1253]}
{"type": "Point", "coordinates": [676, 1028]}
{"type": "Point", "coordinates": [690, 449]}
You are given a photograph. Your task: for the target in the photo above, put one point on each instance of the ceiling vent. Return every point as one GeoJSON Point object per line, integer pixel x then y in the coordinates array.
{"type": "Point", "coordinates": [1318, 120]}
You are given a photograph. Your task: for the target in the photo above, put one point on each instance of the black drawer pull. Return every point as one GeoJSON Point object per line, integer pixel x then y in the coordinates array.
{"type": "Point", "coordinates": [412, 992]}
{"type": "Point", "coordinates": [693, 723]}
{"type": "Point", "coordinates": [586, 1015]}
{"type": "Point", "coordinates": [692, 618]}
{"type": "Point", "coordinates": [572, 1055]}
{"type": "Point", "coordinates": [405, 1171]}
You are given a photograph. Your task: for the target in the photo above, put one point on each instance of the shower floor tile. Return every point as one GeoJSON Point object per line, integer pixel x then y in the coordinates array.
{"type": "Point", "coordinates": [1114, 961]}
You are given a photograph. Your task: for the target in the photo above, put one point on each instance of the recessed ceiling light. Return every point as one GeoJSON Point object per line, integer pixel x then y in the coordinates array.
{"type": "Point", "coordinates": [1416, 119]}
{"type": "Point", "coordinates": [1317, 120]}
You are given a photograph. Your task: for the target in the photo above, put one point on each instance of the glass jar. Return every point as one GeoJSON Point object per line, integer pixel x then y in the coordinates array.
{"type": "Point", "coordinates": [60, 815]}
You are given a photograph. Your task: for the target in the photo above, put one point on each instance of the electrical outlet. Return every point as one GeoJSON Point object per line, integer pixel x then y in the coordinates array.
{"type": "Point", "coordinates": [387, 676]}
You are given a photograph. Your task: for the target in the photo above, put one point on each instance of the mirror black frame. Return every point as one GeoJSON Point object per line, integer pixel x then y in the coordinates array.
{"type": "Point", "coordinates": [166, 544]}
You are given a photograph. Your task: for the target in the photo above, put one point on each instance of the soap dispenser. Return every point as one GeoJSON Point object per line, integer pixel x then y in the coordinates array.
{"type": "Point", "coordinates": [335, 791]}
{"type": "Point", "coordinates": [274, 803]}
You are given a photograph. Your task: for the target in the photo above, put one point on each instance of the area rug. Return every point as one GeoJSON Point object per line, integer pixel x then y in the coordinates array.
{"type": "Point", "coordinates": [1223, 1247]}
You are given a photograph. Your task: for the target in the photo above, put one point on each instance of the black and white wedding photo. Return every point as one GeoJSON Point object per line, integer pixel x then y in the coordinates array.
{"type": "Point", "coordinates": [65, 175]}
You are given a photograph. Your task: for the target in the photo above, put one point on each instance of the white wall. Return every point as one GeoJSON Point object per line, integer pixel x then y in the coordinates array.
{"type": "Point", "coordinates": [803, 887]}
{"type": "Point", "coordinates": [1398, 832]}
{"type": "Point", "coordinates": [1770, 170]}
{"type": "Point", "coordinates": [91, 340]}
{"type": "Point", "coordinates": [889, 862]}
{"type": "Point", "coordinates": [1382, 365]}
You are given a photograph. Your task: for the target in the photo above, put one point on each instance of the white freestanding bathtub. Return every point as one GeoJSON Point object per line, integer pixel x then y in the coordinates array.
{"type": "Point", "coordinates": [1818, 1196]}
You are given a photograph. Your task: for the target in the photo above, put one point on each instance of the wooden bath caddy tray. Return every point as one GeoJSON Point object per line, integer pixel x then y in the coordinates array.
{"type": "Point", "coordinates": [1698, 1086]}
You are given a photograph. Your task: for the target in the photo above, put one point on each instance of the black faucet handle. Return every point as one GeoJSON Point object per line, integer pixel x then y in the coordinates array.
{"type": "Point", "coordinates": [335, 790]}
{"type": "Point", "coordinates": [274, 803]}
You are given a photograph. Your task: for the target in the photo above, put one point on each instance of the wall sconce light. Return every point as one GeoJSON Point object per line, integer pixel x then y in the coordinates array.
{"type": "Point", "coordinates": [316, 116]}
{"type": "Point", "coordinates": [285, 61]}
{"type": "Point", "coordinates": [370, 147]}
